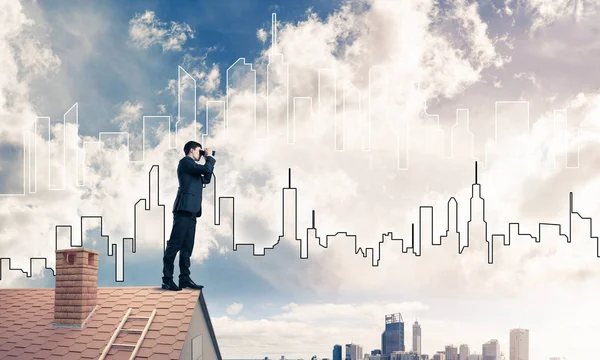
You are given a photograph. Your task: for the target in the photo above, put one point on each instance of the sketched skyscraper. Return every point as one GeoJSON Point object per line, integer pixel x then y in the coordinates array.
{"type": "Point", "coordinates": [392, 338]}
{"type": "Point", "coordinates": [477, 226]}
{"type": "Point", "coordinates": [416, 338]}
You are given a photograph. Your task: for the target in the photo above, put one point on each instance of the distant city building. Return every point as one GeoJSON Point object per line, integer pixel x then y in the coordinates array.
{"type": "Point", "coordinates": [376, 352]}
{"type": "Point", "coordinates": [354, 352]}
{"type": "Point", "coordinates": [392, 338]}
{"type": "Point", "coordinates": [409, 356]}
{"type": "Point", "coordinates": [424, 357]}
{"type": "Point", "coordinates": [490, 350]}
{"type": "Point", "coordinates": [519, 344]}
{"type": "Point", "coordinates": [555, 358]}
{"type": "Point", "coordinates": [439, 356]}
{"type": "Point", "coordinates": [464, 352]}
{"type": "Point", "coordinates": [474, 357]}
{"type": "Point", "coordinates": [403, 355]}
{"type": "Point", "coordinates": [416, 338]}
{"type": "Point", "coordinates": [395, 355]}
{"type": "Point", "coordinates": [337, 352]}
{"type": "Point", "coordinates": [451, 352]}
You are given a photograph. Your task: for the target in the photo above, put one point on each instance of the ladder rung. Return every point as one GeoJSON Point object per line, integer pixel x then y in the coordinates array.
{"type": "Point", "coordinates": [136, 346]}
{"type": "Point", "coordinates": [133, 330]}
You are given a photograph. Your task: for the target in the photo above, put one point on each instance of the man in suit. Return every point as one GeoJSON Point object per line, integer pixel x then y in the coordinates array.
{"type": "Point", "coordinates": [187, 207]}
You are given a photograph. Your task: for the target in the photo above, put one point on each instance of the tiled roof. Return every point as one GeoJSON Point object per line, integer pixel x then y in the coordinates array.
{"type": "Point", "coordinates": [26, 330]}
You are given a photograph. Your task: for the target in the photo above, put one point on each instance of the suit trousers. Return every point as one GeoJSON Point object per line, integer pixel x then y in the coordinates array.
{"type": "Point", "coordinates": [182, 241]}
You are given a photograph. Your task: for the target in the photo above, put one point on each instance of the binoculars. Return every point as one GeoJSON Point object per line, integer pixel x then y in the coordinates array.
{"type": "Point", "coordinates": [202, 153]}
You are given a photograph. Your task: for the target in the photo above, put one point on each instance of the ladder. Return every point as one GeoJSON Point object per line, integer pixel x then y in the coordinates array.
{"type": "Point", "coordinates": [136, 346]}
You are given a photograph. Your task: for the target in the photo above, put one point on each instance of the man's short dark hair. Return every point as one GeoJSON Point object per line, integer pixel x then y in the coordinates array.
{"type": "Point", "coordinates": [191, 145]}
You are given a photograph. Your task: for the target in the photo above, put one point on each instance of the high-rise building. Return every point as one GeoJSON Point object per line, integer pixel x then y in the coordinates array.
{"type": "Point", "coordinates": [519, 344]}
{"type": "Point", "coordinates": [439, 356]}
{"type": "Point", "coordinates": [392, 338]}
{"type": "Point", "coordinates": [337, 352]}
{"type": "Point", "coordinates": [353, 352]}
{"type": "Point", "coordinates": [416, 338]}
{"type": "Point", "coordinates": [451, 352]}
{"type": "Point", "coordinates": [376, 352]}
{"type": "Point", "coordinates": [464, 352]}
{"type": "Point", "coordinates": [490, 350]}
{"type": "Point", "coordinates": [403, 355]}
{"type": "Point", "coordinates": [474, 357]}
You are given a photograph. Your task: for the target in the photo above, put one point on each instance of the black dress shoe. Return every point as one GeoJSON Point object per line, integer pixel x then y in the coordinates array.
{"type": "Point", "coordinates": [170, 285]}
{"type": "Point", "coordinates": [189, 284]}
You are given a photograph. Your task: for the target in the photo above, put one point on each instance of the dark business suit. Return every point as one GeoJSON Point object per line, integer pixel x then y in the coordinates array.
{"type": "Point", "coordinates": [186, 208]}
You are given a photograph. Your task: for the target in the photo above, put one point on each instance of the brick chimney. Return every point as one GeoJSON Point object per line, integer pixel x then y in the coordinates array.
{"type": "Point", "coordinates": [75, 296]}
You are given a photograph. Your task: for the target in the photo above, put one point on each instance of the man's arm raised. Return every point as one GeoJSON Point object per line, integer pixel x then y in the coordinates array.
{"type": "Point", "coordinates": [191, 167]}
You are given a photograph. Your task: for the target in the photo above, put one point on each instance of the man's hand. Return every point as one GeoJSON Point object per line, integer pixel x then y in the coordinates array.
{"type": "Point", "coordinates": [207, 152]}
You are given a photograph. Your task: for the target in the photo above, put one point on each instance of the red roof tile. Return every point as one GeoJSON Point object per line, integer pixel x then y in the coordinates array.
{"type": "Point", "coordinates": [26, 330]}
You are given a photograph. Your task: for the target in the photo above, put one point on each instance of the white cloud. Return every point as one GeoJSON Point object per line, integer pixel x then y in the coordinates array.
{"type": "Point", "coordinates": [481, 47]}
{"type": "Point", "coordinates": [23, 60]}
{"type": "Point", "coordinates": [146, 30]}
{"type": "Point", "coordinates": [234, 309]}
{"type": "Point", "coordinates": [130, 113]}
{"type": "Point", "coordinates": [529, 76]}
{"type": "Point", "coordinates": [207, 77]}
{"type": "Point", "coordinates": [261, 34]}
{"type": "Point", "coordinates": [507, 8]}
{"type": "Point", "coordinates": [363, 193]}
{"type": "Point", "coordinates": [545, 12]}
{"type": "Point", "coordinates": [210, 82]}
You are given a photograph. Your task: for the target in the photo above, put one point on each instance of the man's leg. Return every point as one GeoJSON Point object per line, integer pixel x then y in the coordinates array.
{"type": "Point", "coordinates": [186, 250]}
{"type": "Point", "coordinates": [178, 233]}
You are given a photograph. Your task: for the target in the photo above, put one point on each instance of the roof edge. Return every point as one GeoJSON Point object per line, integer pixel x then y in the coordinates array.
{"type": "Point", "coordinates": [211, 330]}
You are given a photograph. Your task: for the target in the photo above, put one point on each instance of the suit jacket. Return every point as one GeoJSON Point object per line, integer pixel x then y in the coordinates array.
{"type": "Point", "coordinates": [192, 176]}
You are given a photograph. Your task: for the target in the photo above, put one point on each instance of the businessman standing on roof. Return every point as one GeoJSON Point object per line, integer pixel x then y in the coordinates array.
{"type": "Point", "coordinates": [187, 207]}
